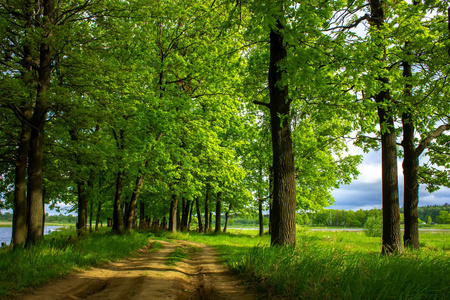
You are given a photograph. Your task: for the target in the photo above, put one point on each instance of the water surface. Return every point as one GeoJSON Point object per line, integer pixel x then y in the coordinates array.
{"type": "Point", "coordinates": [6, 233]}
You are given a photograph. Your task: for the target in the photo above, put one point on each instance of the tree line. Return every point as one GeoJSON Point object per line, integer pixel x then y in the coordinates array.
{"type": "Point", "coordinates": [349, 218]}
{"type": "Point", "coordinates": [155, 112]}
{"type": "Point", "coordinates": [61, 218]}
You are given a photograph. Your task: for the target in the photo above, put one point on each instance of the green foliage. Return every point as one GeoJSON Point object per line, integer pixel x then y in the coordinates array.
{"type": "Point", "coordinates": [373, 227]}
{"type": "Point", "coordinates": [301, 219]}
{"type": "Point", "coordinates": [443, 217]}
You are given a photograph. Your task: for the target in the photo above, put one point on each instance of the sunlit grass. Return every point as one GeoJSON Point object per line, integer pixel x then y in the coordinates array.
{"type": "Point", "coordinates": [336, 265]}
{"type": "Point", "coordinates": [324, 265]}
{"type": "Point", "coordinates": [59, 254]}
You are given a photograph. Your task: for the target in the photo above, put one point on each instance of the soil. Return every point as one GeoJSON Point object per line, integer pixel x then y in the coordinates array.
{"type": "Point", "coordinates": [147, 276]}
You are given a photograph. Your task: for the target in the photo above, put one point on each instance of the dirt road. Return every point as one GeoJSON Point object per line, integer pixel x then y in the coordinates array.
{"type": "Point", "coordinates": [147, 276]}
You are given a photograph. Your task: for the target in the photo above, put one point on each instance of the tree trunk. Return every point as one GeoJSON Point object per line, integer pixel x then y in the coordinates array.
{"type": "Point", "coordinates": [207, 220]}
{"type": "Point", "coordinates": [411, 186]}
{"type": "Point", "coordinates": [218, 213]}
{"type": "Point", "coordinates": [134, 197]}
{"type": "Point", "coordinates": [173, 214]}
{"type": "Point", "coordinates": [178, 219]}
{"type": "Point", "coordinates": [270, 198]}
{"type": "Point", "coordinates": [36, 154]}
{"type": "Point", "coordinates": [20, 214]}
{"type": "Point", "coordinates": [99, 210]}
{"type": "Point", "coordinates": [35, 176]}
{"type": "Point", "coordinates": [210, 222]}
{"type": "Point", "coordinates": [391, 211]}
{"type": "Point", "coordinates": [135, 218]}
{"type": "Point", "coordinates": [164, 223]}
{"type": "Point", "coordinates": [82, 208]}
{"type": "Point", "coordinates": [191, 208]}
{"type": "Point", "coordinates": [284, 194]}
{"type": "Point", "coordinates": [227, 214]}
{"type": "Point", "coordinates": [410, 170]}
{"type": "Point", "coordinates": [142, 215]}
{"type": "Point", "coordinates": [117, 213]}
{"type": "Point", "coordinates": [184, 212]}
{"type": "Point", "coordinates": [199, 215]}
{"type": "Point", "coordinates": [91, 214]}
{"type": "Point", "coordinates": [261, 217]}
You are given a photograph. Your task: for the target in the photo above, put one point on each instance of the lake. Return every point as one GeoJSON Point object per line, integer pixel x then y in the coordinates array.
{"type": "Point", "coordinates": [6, 233]}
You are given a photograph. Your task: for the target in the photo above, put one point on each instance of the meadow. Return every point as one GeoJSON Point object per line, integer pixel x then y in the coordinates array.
{"type": "Point", "coordinates": [336, 265]}
{"type": "Point", "coordinates": [324, 265]}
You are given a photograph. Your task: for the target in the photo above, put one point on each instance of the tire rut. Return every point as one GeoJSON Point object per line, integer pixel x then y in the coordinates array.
{"type": "Point", "coordinates": [147, 276]}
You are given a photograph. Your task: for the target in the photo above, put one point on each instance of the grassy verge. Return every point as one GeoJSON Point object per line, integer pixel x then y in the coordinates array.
{"type": "Point", "coordinates": [60, 254]}
{"type": "Point", "coordinates": [312, 271]}
{"type": "Point", "coordinates": [336, 265]}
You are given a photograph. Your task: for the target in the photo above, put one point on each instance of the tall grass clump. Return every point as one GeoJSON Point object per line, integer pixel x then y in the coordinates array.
{"type": "Point", "coordinates": [60, 254]}
{"type": "Point", "coordinates": [311, 271]}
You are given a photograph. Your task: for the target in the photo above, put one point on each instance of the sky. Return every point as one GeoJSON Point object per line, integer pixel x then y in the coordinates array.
{"type": "Point", "coordinates": [365, 192]}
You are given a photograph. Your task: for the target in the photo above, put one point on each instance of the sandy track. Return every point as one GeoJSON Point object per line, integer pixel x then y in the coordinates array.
{"type": "Point", "coordinates": [148, 277]}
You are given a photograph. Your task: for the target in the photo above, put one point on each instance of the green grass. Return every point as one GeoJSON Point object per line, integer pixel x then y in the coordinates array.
{"type": "Point", "coordinates": [60, 254]}
{"type": "Point", "coordinates": [324, 265]}
{"type": "Point", "coordinates": [336, 265]}
{"type": "Point", "coordinates": [180, 253]}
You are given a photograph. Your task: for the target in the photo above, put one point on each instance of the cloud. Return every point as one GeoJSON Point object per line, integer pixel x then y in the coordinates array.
{"type": "Point", "coordinates": [366, 193]}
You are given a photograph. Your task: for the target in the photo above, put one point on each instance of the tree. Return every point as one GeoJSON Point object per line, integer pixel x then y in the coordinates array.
{"type": "Point", "coordinates": [443, 218]}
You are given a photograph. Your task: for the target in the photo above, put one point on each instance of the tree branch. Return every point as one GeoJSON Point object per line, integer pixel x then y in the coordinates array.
{"type": "Point", "coordinates": [261, 103]}
{"type": "Point", "coordinates": [20, 115]}
{"type": "Point", "coordinates": [427, 140]}
{"type": "Point", "coordinates": [353, 25]}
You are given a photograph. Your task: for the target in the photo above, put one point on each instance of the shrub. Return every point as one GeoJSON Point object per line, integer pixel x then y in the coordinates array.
{"type": "Point", "coordinates": [373, 227]}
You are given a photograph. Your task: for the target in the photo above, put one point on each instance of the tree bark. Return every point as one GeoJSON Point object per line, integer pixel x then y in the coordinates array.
{"type": "Point", "coordinates": [218, 213]}
{"type": "Point", "coordinates": [411, 186]}
{"type": "Point", "coordinates": [261, 217]}
{"type": "Point", "coordinates": [20, 214]}
{"type": "Point", "coordinates": [173, 214]}
{"type": "Point", "coordinates": [284, 196]}
{"type": "Point", "coordinates": [227, 215]}
{"type": "Point", "coordinates": [391, 211]}
{"type": "Point", "coordinates": [97, 219]}
{"type": "Point", "coordinates": [178, 219]}
{"type": "Point", "coordinates": [410, 170]}
{"type": "Point", "coordinates": [142, 224]}
{"type": "Point", "coordinates": [207, 220]}
{"type": "Point", "coordinates": [186, 204]}
{"type": "Point", "coordinates": [36, 154]}
{"type": "Point", "coordinates": [117, 226]}
{"type": "Point", "coordinates": [210, 222]}
{"type": "Point", "coordinates": [82, 208]}
{"type": "Point", "coordinates": [191, 208]}
{"type": "Point", "coordinates": [199, 215]}
{"type": "Point", "coordinates": [270, 197]}
{"type": "Point", "coordinates": [134, 197]}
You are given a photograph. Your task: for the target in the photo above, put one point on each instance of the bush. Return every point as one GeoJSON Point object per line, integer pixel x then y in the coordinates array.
{"type": "Point", "coordinates": [373, 227]}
